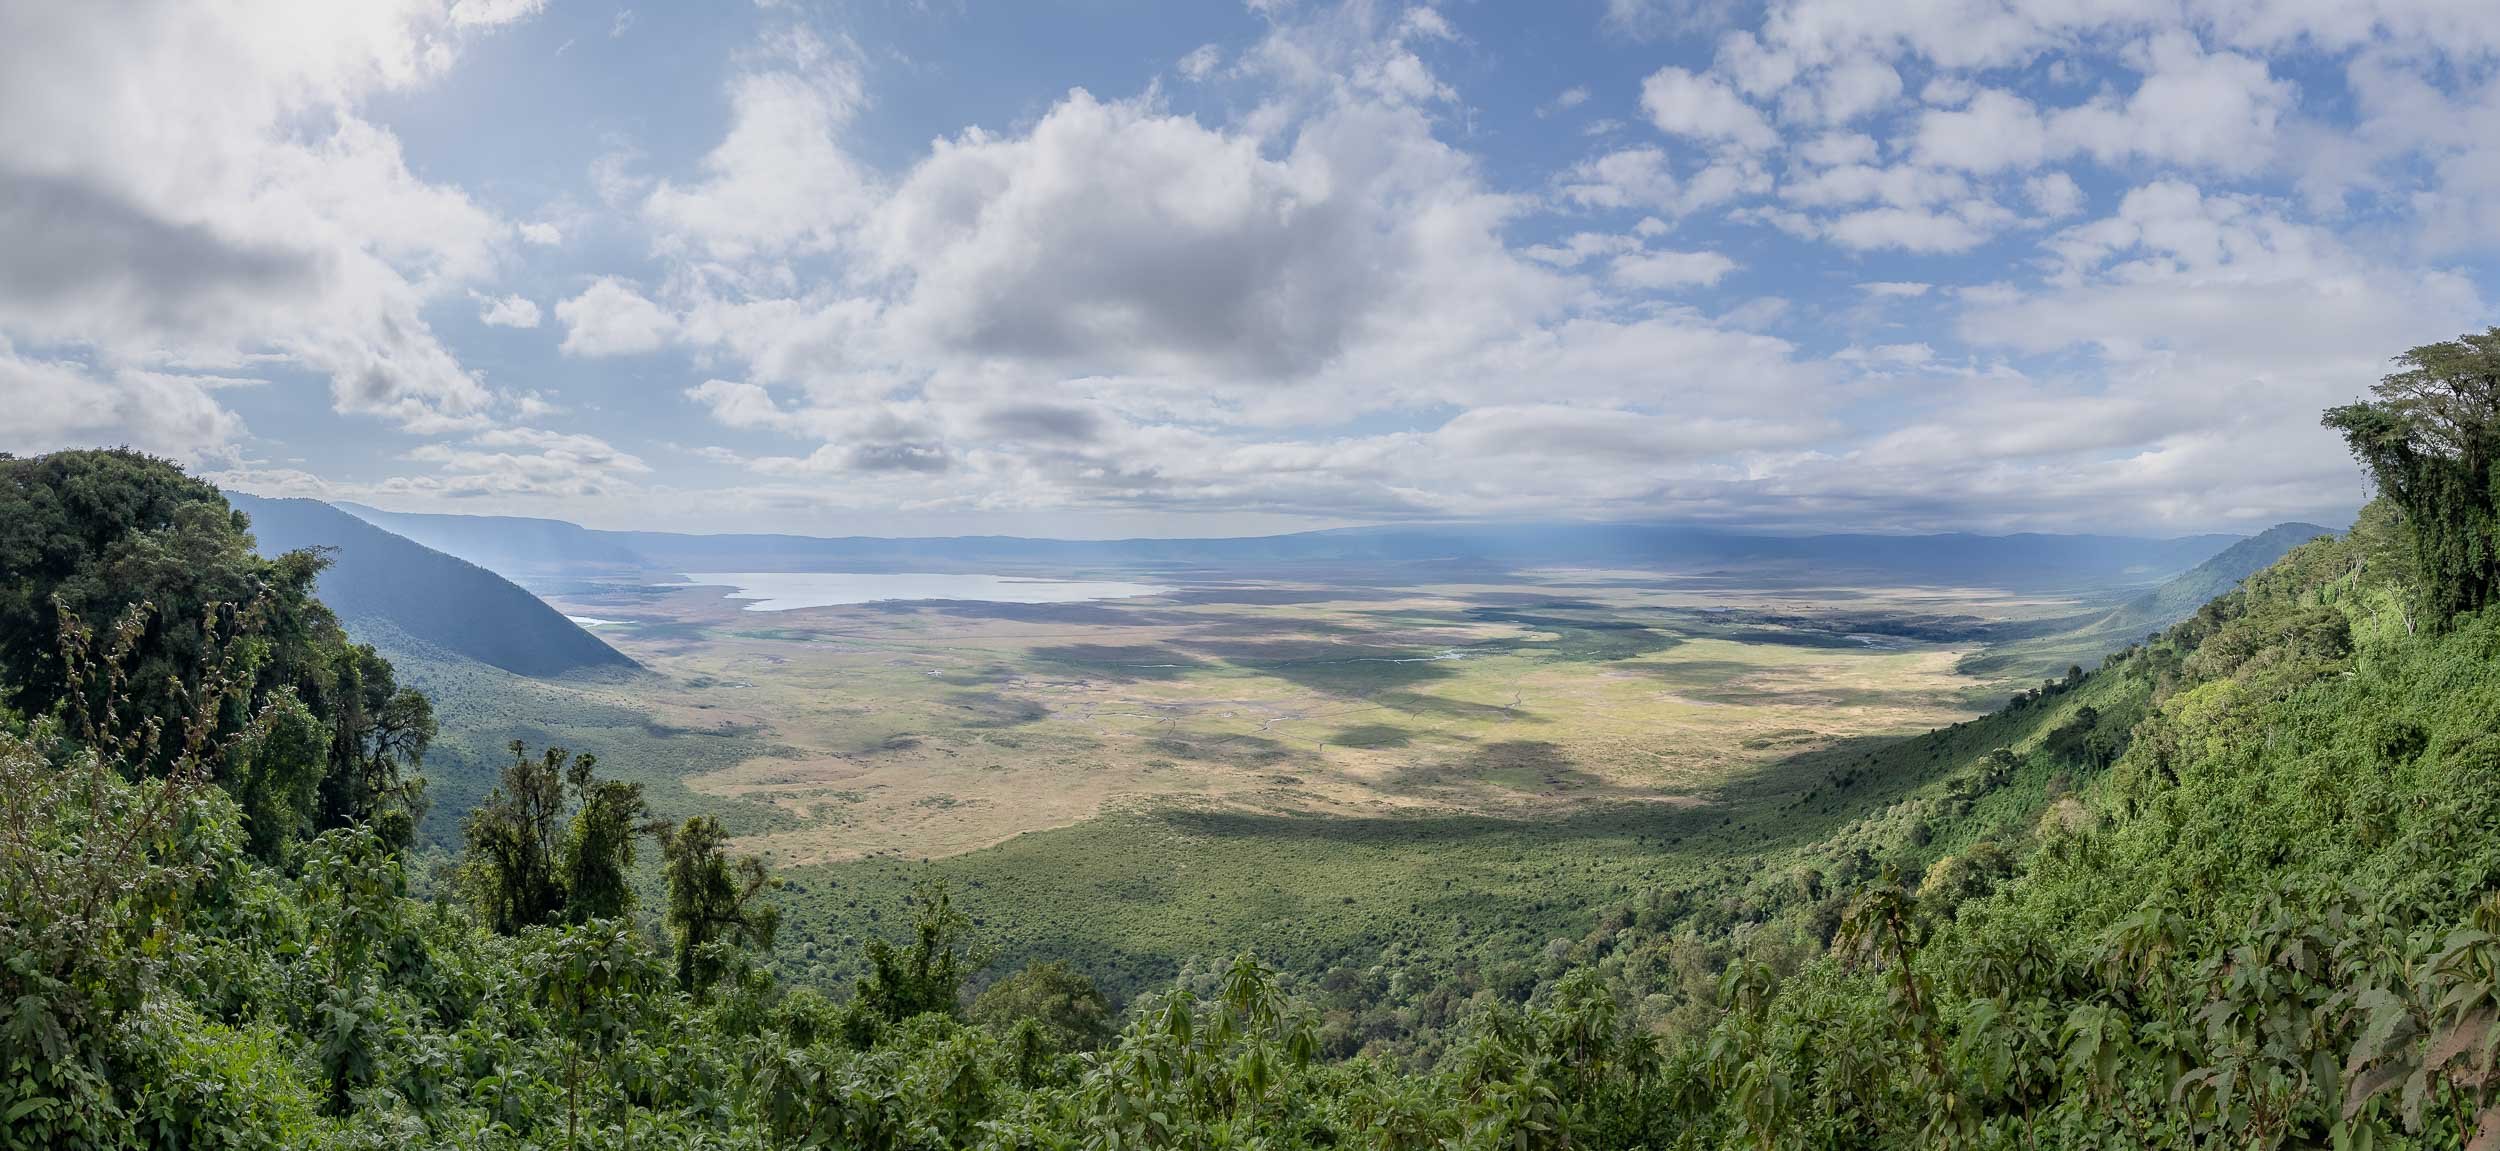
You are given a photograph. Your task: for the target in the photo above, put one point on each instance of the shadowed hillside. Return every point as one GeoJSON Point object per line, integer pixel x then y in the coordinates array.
{"type": "Point", "coordinates": [447, 602]}
{"type": "Point", "coordinates": [515, 547]}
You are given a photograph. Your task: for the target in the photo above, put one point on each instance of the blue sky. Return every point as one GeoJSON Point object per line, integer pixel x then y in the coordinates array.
{"type": "Point", "coordinates": [1122, 267]}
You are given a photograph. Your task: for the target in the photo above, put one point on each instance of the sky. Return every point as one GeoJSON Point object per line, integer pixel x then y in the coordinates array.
{"type": "Point", "coordinates": [1141, 267]}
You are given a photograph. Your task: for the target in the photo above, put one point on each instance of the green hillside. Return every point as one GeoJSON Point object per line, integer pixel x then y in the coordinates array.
{"type": "Point", "coordinates": [449, 603]}
{"type": "Point", "coordinates": [2238, 885]}
{"type": "Point", "coordinates": [2179, 598]}
{"type": "Point", "coordinates": [2045, 648]}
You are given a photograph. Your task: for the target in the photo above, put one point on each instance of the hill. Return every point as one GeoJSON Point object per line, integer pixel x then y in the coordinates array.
{"type": "Point", "coordinates": [446, 602]}
{"type": "Point", "coordinates": [2046, 648]}
{"type": "Point", "coordinates": [2180, 597]}
{"type": "Point", "coordinates": [516, 547]}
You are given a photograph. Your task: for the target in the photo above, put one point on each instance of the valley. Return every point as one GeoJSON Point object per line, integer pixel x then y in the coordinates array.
{"type": "Point", "coordinates": [1427, 751]}
{"type": "Point", "coordinates": [930, 729]}
{"type": "Point", "coordinates": [1337, 763]}
{"type": "Point", "coordinates": [1275, 575]}
{"type": "Point", "coordinates": [1410, 804]}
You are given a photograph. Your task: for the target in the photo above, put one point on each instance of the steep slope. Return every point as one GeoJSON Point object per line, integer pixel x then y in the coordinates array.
{"type": "Point", "coordinates": [446, 602]}
{"type": "Point", "coordinates": [2050, 646]}
{"type": "Point", "coordinates": [2262, 908]}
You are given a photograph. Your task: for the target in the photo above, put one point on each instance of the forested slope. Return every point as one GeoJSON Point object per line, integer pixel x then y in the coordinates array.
{"type": "Point", "coordinates": [2237, 887]}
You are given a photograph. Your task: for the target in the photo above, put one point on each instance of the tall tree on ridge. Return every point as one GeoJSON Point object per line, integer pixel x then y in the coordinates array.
{"type": "Point", "coordinates": [2430, 440]}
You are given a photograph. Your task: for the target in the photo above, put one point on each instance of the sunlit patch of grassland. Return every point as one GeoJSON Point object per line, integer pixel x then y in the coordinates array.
{"type": "Point", "coordinates": [925, 731]}
{"type": "Point", "coordinates": [1323, 773]}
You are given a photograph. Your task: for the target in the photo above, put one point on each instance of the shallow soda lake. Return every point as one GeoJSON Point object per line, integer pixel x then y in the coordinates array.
{"type": "Point", "coordinates": [782, 591]}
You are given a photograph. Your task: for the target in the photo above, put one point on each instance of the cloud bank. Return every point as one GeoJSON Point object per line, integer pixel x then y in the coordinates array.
{"type": "Point", "coordinates": [1977, 264]}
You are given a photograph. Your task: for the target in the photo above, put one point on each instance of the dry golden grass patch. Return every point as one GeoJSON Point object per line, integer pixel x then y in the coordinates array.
{"type": "Point", "coordinates": [941, 730]}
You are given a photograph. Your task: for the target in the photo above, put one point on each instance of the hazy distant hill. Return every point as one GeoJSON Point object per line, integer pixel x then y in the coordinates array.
{"type": "Point", "coordinates": [2050, 646]}
{"type": "Point", "coordinates": [514, 546]}
{"type": "Point", "coordinates": [447, 602]}
{"type": "Point", "coordinates": [2179, 598]}
{"type": "Point", "coordinates": [546, 551]}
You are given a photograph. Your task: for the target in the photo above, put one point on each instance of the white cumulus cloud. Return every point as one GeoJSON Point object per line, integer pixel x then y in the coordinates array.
{"type": "Point", "coordinates": [508, 311]}
{"type": "Point", "coordinates": [612, 318]}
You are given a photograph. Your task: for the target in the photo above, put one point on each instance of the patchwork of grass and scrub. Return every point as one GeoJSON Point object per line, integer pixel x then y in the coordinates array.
{"type": "Point", "coordinates": [1440, 781]}
{"type": "Point", "coordinates": [900, 732]}
{"type": "Point", "coordinates": [1135, 897]}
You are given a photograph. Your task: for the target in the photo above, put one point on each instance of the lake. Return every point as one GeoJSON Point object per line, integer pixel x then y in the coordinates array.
{"type": "Point", "coordinates": [783, 591]}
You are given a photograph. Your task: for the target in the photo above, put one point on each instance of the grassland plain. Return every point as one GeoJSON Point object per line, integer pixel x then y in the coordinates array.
{"type": "Point", "coordinates": [1329, 772]}
{"type": "Point", "coordinates": [1135, 897]}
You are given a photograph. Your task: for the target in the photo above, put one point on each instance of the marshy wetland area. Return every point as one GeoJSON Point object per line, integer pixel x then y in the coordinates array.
{"type": "Point", "coordinates": [1367, 758]}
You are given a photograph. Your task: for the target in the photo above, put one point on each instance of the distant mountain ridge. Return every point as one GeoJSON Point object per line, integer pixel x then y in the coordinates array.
{"type": "Point", "coordinates": [2045, 647]}
{"type": "Point", "coordinates": [545, 551]}
{"type": "Point", "coordinates": [2180, 597]}
{"type": "Point", "coordinates": [448, 602]}
{"type": "Point", "coordinates": [504, 543]}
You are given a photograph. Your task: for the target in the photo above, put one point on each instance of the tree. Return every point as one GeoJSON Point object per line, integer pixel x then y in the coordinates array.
{"type": "Point", "coordinates": [1998, 768]}
{"type": "Point", "coordinates": [713, 904]}
{"type": "Point", "coordinates": [599, 843]}
{"type": "Point", "coordinates": [86, 535]}
{"type": "Point", "coordinates": [353, 889]}
{"type": "Point", "coordinates": [511, 858]}
{"type": "Point", "coordinates": [2430, 440]}
{"type": "Point", "coordinates": [930, 976]}
{"type": "Point", "coordinates": [1064, 1007]}
{"type": "Point", "coordinates": [526, 864]}
{"type": "Point", "coordinates": [1881, 930]}
{"type": "Point", "coordinates": [379, 735]}
{"type": "Point", "coordinates": [276, 776]}
{"type": "Point", "coordinates": [594, 980]}
{"type": "Point", "coordinates": [101, 865]}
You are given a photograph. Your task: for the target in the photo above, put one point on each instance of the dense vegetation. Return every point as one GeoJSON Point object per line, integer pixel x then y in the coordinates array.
{"type": "Point", "coordinates": [2238, 886]}
{"type": "Point", "coordinates": [125, 586]}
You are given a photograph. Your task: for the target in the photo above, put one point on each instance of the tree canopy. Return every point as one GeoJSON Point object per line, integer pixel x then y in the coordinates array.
{"type": "Point", "coordinates": [86, 537]}
{"type": "Point", "coordinates": [2430, 440]}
